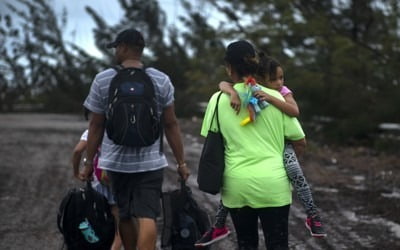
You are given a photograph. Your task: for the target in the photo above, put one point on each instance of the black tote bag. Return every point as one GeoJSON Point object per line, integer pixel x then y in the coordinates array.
{"type": "Point", "coordinates": [212, 159]}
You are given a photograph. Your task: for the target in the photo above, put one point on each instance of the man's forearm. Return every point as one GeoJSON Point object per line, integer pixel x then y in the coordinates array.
{"type": "Point", "coordinates": [172, 132]}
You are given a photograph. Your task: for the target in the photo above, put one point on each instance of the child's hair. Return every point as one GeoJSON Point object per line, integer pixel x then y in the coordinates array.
{"type": "Point", "coordinates": [267, 67]}
{"type": "Point", "coordinates": [242, 57]}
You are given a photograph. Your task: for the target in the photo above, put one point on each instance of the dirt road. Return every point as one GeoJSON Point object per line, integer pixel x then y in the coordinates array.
{"type": "Point", "coordinates": [357, 190]}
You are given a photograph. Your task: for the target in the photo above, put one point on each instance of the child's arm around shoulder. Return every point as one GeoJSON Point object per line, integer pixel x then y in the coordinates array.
{"type": "Point", "coordinates": [289, 106]}
{"type": "Point", "coordinates": [227, 88]}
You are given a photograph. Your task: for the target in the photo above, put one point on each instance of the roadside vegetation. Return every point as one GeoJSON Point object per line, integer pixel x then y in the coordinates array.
{"type": "Point", "coordinates": [344, 75]}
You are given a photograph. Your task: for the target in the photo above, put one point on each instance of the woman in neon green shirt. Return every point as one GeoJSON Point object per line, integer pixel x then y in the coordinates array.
{"type": "Point", "coordinates": [256, 185]}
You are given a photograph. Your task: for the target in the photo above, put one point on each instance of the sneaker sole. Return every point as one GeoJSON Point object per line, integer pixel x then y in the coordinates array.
{"type": "Point", "coordinates": [212, 241]}
{"type": "Point", "coordinates": [313, 234]}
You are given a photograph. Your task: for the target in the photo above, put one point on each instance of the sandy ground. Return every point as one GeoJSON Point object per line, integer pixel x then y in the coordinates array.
{"type": "Point", "coordinates": [356, 189]}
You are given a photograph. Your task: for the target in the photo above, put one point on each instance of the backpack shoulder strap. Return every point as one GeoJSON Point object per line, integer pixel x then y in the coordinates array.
{"type": "Point", "coordinates": [113, 86]}
{"type": "Point", "coordinates": [61, 210]}
{"type": "Point", "coordinates": [117, 67]}
{"type": "Point", "coordinates": [167, 214]}
{"type": "Point", "coordinates": [153, 87]}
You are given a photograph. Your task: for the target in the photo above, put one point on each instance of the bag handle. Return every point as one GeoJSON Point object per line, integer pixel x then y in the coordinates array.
{"type": "Point", "coordinates": [61, 209]}
{"type": "Point", "coordinates": [216, 112]}
{"type": "Point", "coordinates": [185, 190]}
{"type": "Point", "coordinates": [182, 183]}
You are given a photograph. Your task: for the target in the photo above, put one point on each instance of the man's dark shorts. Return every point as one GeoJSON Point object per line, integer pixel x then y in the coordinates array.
{"type": "Point", "coordinates": [137, 194]}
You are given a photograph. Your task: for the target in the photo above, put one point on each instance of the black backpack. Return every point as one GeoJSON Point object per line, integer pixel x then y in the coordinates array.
{"type": "Point", "coordinates": [184, 221]}
{"type": "Point", "coordinates": [132, 118]}
{"type": "Point", "coordinates": [84, 218]}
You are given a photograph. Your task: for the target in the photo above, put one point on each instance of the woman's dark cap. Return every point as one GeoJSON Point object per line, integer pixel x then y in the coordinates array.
{"type": "Point", "coordinates": [130, 37]}
{"type": "Point", "coordinates": [237, 51]}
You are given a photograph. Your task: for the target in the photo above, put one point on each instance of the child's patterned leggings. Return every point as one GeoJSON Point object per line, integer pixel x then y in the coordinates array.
{"type": "Point", "coordinates": [296, 177]}
{"type": "Point", "coordinates": [299, 182]}
{"type": "Point", "coordinates": [220, 217]}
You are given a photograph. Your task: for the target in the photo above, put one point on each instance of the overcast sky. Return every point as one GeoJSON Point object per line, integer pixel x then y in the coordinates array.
{"type": "Point", "coordinates": [80, 24]}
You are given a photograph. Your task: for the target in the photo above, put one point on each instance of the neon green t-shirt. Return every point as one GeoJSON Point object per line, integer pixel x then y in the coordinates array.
{"type": "Point", "coordinates": [254, 173]}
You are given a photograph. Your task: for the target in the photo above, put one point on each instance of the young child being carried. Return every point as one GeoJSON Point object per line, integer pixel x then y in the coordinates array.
{"type": "Point", "coordinates": [271, 73]}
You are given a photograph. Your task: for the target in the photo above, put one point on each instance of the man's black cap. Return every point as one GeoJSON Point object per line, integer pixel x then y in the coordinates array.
{"type": "Point", "coordinates": [130, 37]}
{"type": "Point", "coordinates": [237, 51]}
